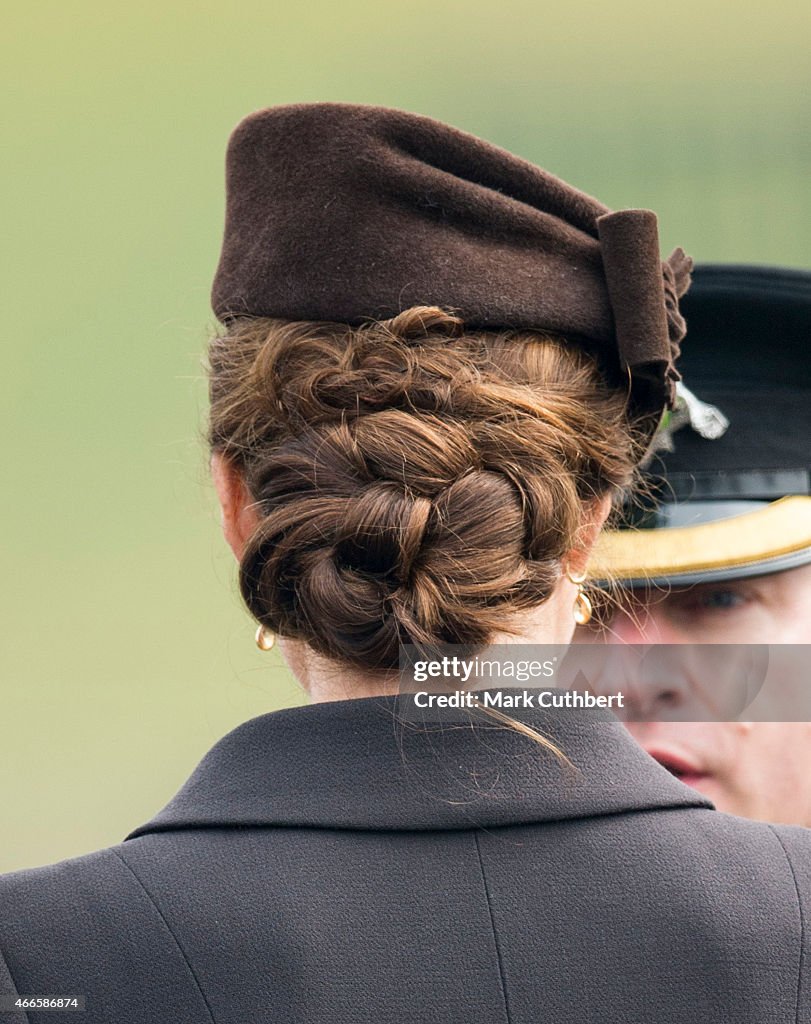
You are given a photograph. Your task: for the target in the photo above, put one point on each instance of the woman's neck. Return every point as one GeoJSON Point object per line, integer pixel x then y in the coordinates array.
{"type": "Point", "coordinates": [326, 680]}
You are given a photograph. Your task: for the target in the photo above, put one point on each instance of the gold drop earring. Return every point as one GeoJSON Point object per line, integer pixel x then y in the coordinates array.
{"type": "Point", "coordinates": [265, 638]}
{"type": "Point", "coordinates": [582, 610]}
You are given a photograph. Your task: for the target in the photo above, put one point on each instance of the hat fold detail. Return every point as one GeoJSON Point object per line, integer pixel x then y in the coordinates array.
{"type": "Point", "coordinates": [643, 293]}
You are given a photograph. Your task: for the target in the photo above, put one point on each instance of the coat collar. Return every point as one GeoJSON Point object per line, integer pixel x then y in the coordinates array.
{"type": "Point", "coordinates": [366, 764]}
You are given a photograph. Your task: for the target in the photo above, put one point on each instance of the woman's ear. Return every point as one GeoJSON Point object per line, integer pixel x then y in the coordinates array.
{"type": "Point", "coordinates": [595, 515]}
{"type": "Point", "coordinates": [239, 517]}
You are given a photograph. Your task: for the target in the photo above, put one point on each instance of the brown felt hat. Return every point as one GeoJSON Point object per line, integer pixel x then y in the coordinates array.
{"type": "Point", "coordinates": [348, 213]}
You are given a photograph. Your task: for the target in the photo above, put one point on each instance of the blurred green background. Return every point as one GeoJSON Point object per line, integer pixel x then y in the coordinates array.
{"type": "Point", "coordinates": [126, 652]}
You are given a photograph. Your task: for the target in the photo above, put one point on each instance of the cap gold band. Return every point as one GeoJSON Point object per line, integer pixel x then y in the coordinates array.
{"type": "Point", "coordinates": [779, 528]}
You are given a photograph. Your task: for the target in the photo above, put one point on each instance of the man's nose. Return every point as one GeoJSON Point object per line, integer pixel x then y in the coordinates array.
{"type": "Point", "coordinates": [654, 688]}
{"type": "Point", "coordinates": [658, 693]}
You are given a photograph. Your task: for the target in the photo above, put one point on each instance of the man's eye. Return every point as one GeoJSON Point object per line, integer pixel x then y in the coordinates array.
{"type": "Point", "coordinates": [720, 600]}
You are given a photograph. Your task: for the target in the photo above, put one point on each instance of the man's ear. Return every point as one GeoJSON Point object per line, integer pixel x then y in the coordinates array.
{"type": "Point", "coordinates": [595, 515]}
{"type": "Point", "coordinates": [239, 515]}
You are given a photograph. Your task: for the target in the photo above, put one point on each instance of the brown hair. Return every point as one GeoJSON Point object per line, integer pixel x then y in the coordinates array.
{"type": "Point", "coordinates": [417, 482]}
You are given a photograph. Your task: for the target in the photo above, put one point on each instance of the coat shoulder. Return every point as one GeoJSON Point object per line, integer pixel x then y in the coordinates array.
{"type": "Point", "coordinates": [796, 843]}
{"type": "Point", "coordinates": [777, 856]}
{"type": "Point", "coordinates": [775, 886]}
{"type": "Point", "coordinates": [69, 896]}
{"type": "Point", "coordinates": [88, 925]}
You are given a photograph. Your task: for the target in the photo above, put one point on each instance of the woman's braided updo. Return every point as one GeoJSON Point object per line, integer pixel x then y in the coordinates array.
{"type": "Point", "coordinates": [416, 482]}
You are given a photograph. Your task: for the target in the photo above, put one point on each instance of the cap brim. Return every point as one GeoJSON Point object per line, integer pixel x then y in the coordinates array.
{"type": "Point", "coordinates": [773, 538]}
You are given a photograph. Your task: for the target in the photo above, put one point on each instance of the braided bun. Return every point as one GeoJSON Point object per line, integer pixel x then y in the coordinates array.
{"type": "Point", "coordinates": [417, 483]}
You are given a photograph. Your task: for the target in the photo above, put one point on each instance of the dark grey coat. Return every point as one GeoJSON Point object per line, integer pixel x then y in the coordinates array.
{"type": "Point", "coordinates": [331, 863]}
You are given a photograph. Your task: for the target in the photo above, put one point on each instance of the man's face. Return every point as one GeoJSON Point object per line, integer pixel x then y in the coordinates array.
{"type": "Point", "coordinates": [758, 770]}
